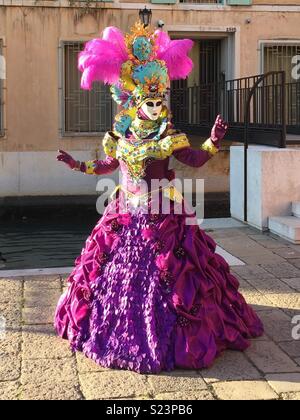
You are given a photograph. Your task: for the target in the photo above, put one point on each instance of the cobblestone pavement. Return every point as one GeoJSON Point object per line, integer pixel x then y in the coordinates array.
{"type": "Point", "coordinates": [34, 364]}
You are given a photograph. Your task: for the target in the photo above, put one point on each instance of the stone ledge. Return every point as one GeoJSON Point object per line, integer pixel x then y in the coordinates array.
{"type": "Point", "coordinates": [113, 385]}
{"type": "Point", "coordinates": [285, 382]}
{"type": "Point", "coordinates": [9, 390]}
{"type": "Point", "coordinates": [244, 390]}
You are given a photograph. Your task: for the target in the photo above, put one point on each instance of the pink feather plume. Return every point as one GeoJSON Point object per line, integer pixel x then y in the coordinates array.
{"type": "Point", "coordinates": [116, 37]}
{"type": "Point", "coordinates": [102, 59]}
{"type": "Point", "coordinates": [174, 54]}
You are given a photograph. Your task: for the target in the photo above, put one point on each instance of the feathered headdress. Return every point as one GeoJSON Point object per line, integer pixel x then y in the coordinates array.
{"type": "Point", "coordinates": [139, 65]}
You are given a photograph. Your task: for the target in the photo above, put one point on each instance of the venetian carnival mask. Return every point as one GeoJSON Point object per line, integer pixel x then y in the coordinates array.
{"type": "Point", "coordinates": [138, 66]}
{"type": "Point", "coordinates": [152, 108]}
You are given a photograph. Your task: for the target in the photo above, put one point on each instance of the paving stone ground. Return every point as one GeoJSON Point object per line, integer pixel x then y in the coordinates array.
{"type": "Point", "coordinates": [35, 364]}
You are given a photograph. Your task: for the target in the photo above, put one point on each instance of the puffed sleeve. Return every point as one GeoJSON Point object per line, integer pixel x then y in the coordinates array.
{"type": "Point", "coordinates": [101, 167]}
{"type": "Point", "coordinates": [197, 158]}
{"type": "Point", "coordinates": [106, 166]}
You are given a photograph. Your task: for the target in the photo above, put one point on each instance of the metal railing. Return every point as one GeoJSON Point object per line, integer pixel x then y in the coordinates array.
{"type": "Point", "coordinates": [293, 107]}
{"type": "Point", "coordinates": [195, 108]}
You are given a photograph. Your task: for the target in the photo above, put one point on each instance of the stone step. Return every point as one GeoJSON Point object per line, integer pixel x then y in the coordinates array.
{"type": "Point", "coordinates": [287, 227]}
{"type": "Point", "coordinates": [296, 209]}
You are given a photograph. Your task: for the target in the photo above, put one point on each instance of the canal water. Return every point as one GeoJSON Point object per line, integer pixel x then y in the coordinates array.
{"type": "Point", "coordinates": [53, 236]}
{"type": "Point", "coordinates": [42, 244]}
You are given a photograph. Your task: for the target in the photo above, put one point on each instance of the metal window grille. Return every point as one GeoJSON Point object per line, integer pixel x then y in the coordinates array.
{"type": "Point", "coordinates": [2, 72]}
{"type": "Point", "coordinates": [281, 57]}
{"type": "Point", "coordinates": [84, 112]}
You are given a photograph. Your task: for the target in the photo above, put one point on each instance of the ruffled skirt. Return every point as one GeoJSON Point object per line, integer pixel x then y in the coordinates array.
{"type": "Point", "coordinates": [149, 293]}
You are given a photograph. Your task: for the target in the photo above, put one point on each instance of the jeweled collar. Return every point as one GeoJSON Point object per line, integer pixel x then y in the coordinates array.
{"type": "Point", "coordinates": [147, 129]}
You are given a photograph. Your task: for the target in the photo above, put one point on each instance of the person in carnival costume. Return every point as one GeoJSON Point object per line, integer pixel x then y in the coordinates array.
{"type": "Point", "coordinates": [148, 292]}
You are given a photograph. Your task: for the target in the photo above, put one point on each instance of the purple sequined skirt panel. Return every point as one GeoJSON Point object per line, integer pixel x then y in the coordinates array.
{"type": "Point", "coordinates": [149, 293]}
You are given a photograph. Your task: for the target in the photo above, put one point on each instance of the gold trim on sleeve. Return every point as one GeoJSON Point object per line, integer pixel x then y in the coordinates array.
{"type": "Point", "coordinates": [90, 167]}
{"type": "Point", "coordinates": [209, 147]}
{"type": "Point", "coordinates": [110, 144]}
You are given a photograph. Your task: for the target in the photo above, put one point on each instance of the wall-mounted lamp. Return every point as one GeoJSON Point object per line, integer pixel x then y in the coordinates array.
{"type": "Point", "coordinates": [145, 16]}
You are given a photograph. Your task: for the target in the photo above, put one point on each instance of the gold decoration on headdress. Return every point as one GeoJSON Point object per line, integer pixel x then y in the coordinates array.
{"type": "Point", "coordinates": [155, 86]}
{"type": "Point", "coordinates": [126, 76]}
{"type": "Point", "coordinates": [138, 30]}
{"type": "Point", "coordinates": [154, 81]}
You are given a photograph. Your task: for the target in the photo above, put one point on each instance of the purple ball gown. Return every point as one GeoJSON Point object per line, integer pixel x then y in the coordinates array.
{"type": "Point", "coordinates": [149, 292]}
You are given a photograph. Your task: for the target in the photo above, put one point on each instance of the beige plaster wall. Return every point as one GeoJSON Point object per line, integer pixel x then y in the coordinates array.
{"type": "Point", "coordinates": [31, 37]}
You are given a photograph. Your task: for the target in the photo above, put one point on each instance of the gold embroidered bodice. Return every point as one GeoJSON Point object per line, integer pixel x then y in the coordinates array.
{"type": "Point", "coordinates": [137, 154]}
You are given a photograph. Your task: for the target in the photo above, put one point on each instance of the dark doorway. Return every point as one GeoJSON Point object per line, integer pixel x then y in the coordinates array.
{"type": "Point", "coordinates": [206, 74]}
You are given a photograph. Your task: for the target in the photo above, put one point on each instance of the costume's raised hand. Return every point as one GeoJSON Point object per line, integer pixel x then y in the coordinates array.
{"type": "Point", "coordinates": [67, 159]}
{"type": "Point", "coordinates": [219, 129]}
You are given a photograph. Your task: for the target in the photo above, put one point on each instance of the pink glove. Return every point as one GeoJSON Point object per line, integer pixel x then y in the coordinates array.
{"type": "Point", "coordinates": [219, 130]}
{"type": "Point", "coordinates": [67, 159]}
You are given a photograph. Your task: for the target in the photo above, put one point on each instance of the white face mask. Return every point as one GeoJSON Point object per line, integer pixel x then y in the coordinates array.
{"type": "Point", "coordinates": [152, 108]}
